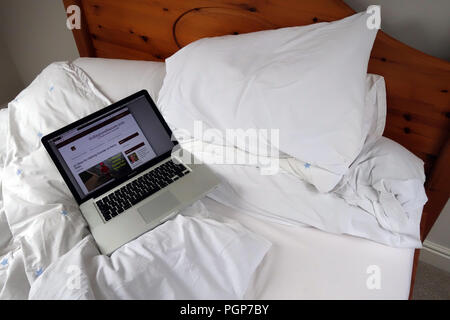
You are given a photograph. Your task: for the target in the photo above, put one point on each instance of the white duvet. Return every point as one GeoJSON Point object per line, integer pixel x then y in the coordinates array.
{"type": "Point", "coordinates": [186, 258]}
{"type": "Point", "coordinates": [13, 282]}
{"type": "Point", "coordinates": [48, 229]}
{"type": "Point", "coordinates": [381, 198]}
{"type": "Point", "coordinates": [50, 235]}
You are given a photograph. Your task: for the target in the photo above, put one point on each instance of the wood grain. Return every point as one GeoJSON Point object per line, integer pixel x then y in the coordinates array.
{"type": "Point", "coordinates": [82, 36]}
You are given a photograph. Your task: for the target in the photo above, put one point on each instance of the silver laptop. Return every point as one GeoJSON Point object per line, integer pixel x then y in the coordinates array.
{"type": "Point", "coordinates": [122, 166]}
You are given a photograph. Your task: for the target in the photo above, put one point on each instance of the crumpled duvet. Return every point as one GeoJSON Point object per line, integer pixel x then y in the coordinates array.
{"type": "Point", "coordinates": [380, 198]}
{"type": "Point", "coordinates": [48, 230]}
{"type": "Point", "coordinates": [185, 258]}
{"type": "Point", "coordinates": [387, 181]}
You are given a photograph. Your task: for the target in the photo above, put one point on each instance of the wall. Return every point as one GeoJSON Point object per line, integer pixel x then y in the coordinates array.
{"type": "Point", "coordinates": [422, 24]}
{"type": "Point", "coordinates": [35, 34]}
{"type": "Point", "coordinates": [437, 244]}
{"type": "Point", "coordinates": [10, 82]}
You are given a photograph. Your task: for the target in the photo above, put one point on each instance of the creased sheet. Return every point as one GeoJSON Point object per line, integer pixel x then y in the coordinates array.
{"type": "Point", "coordinates": [186, 258]}
{"type": "Point", "coordinates": [386, 211]}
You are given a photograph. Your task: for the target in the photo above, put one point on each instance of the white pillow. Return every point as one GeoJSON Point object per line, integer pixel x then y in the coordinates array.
{"type": "Point", "coordinates": [373, 127]}
{"type": "Point", "coordinates": [376, 108]}
{"type": "Point", "coordinates": [107, 74]}
{"type": "Point", "coordinates": [308, 82]}
{"type": "Point", "coordinates": [118, 78]}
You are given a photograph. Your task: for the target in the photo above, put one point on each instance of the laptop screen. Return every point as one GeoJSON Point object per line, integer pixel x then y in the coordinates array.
{"type": "Point", "coordinates": [101, 151]}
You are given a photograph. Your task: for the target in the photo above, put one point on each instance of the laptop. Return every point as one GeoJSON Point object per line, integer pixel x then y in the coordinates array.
{"type": "Point", "coordinates": [123, 167]}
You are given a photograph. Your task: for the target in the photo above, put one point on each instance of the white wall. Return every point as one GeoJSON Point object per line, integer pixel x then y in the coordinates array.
{"type": "Point", "coordinates": [440, 233]}
{"type": "Point", "coordinates": [35, 34]}
{"type": "Point", "coordinates": [422, 24]}
{"type": "Point", "coordinates": [437, 245]}
{"type": "Point", "coordinates": [10, 82]}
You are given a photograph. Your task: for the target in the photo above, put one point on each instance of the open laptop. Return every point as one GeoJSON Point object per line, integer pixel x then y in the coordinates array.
{"type": "Point", "coordinates": [121, 165]}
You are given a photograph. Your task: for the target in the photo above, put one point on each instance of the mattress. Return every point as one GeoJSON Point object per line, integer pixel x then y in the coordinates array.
{"type": "Point", "coordinates": [306, 263]}
{"type": "Point", "coordinates": [303, 262]}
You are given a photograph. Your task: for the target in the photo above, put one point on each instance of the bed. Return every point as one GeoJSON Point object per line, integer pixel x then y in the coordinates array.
{"type": "Point", "coordinates": [298, 263]}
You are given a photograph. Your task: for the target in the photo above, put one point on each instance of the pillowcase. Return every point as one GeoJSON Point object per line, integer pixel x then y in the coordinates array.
{"type": "Point", "coordinates": [376, 108]}
{"type": "Point", "coordinates": [373, 127]}
{"type": "Point", "coordinates": [308, 82]}
{"type": "Point", "coordinates": [117, 78]}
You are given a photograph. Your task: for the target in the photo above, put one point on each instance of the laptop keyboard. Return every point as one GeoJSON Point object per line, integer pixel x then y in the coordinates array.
{"type": "Point", "coordinates": [140, 189]}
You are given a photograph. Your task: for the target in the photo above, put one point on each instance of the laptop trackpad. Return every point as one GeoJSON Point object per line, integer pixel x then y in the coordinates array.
{"type": "Point", "coordinates": [158, 207]}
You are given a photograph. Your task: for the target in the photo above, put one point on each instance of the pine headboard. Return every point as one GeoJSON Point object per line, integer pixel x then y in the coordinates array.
{"type": "Point", "coordinates": [417, 84]}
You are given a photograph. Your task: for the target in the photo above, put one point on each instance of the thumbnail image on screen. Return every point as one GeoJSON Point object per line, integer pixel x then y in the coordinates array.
{"type": "Point", "coordinates": [114, 167]}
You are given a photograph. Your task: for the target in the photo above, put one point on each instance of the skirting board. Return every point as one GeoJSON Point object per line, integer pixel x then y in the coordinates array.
{"type": "Point", "coordinates": [435, 255]}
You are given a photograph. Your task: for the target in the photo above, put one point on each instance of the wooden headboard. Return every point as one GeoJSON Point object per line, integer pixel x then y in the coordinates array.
{"type": "Point", "coordinates": [417, 84]}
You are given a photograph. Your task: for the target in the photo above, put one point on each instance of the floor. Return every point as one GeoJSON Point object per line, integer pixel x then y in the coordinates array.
{"type": "Point", "coordinates": [431, 283]}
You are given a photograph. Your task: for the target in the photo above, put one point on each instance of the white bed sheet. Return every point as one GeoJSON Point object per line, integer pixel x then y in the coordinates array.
{"type": "Point", "coordinates": [303, 263]}
{"type": "Point", "coordinates": [307, 263]}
